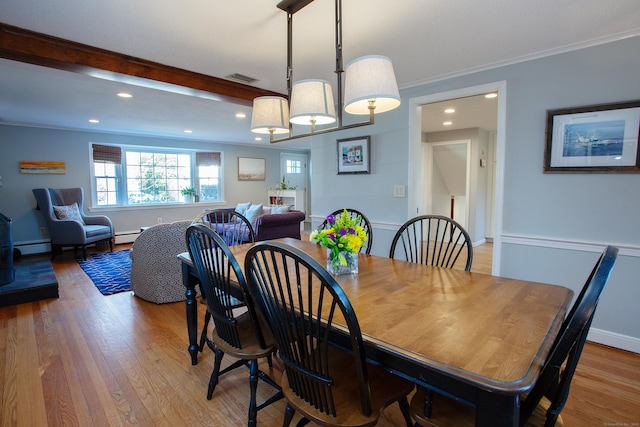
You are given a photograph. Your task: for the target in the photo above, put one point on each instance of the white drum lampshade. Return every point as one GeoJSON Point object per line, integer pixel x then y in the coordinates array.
{"type": "Point", "coordinates": [370, 78]}
{"type": "Point", "coordinates": [312, 100]}
{"type": "Point", "coordinates": [270, 115]}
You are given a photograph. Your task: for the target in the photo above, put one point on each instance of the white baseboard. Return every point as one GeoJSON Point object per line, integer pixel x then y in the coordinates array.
{"type": "Point", "coordinates": [613, 339]}
{"type": "Point", "coordinates": [479, 242]}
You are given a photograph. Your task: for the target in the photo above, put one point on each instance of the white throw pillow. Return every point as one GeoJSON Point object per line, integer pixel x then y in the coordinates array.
{"type": "Point", "coordinates": [68, 213]}
{"type": "Point", "coordinates": [266, 210]}
{"type": "Point", "coordinates": [279, 209]}
{"type": "Point", "coordinates": [241, 208]}
{"type": "Point", "coordinates": [253, 212]}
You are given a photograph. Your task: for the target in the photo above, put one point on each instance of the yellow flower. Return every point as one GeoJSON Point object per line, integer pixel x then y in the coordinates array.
{"type": "Point", "coordinates": [342, 234]}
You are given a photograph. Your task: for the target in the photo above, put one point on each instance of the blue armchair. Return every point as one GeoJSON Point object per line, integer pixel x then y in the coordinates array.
{"type": "Point", "coordinates": [63, 212]}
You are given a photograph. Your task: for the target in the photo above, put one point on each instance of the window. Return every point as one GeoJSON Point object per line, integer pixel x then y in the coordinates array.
{"type": "Point", "coordinates": [130, 176]}
{"type": "Point", "coordinates": [294, 166]}
{"type": "Point", "coordinates": [208, 165]}
{"type": "Point", "coordinates": [106, 164]}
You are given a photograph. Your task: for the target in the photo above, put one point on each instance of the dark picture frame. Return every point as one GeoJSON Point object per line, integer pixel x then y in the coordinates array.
{"type": "Point", "coordinates": [251, 169]}
{"type": "Point", "coordinates": [594, 138]}
{"type": "Point", "coordinates": [354, 155]}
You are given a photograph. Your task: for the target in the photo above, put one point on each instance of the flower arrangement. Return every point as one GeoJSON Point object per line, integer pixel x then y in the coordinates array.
{"type": "Point", "coordinates": [342, 236]}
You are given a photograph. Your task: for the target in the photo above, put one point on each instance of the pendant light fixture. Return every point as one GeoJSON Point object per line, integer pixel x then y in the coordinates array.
{"type": "Point", "coordinates": [370, 87]}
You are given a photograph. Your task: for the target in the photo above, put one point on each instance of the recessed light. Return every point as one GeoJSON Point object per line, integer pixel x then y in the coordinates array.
{"type": "Point", "coordinates": [491, 95]}
{"type": "Point", "coordinates": [188, 131]}
{"type": "Point", "coordinates": [447, 123]}
{"type": "Point", "coordinates": [94, 121]}
{"type": "Point", "coordinates": [450, 110]}
{"type": "Point", "coordinates": [241, 115]}
{"type": "Point", "coordinates": [124, 95]}
{"type": "Point", "coordinates": [257, 138]}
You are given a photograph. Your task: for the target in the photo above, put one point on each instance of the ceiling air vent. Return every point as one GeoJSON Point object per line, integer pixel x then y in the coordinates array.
{"type": "Point", "coordinates": [242, 78]}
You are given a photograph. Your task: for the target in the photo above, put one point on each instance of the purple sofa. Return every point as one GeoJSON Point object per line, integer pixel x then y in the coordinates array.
{"type": "Point", "coordinates": [275, 226]}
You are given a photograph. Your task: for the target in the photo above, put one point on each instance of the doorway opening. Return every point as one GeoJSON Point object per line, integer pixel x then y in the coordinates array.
{"type": "Point", "coordinates": [419, 169]}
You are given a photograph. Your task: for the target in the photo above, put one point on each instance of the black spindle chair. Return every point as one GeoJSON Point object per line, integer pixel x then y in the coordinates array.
{"type": "Point", "coordinates": [433, 240]}
{"type": "Point", "coordinates": [301, 301]}
{"type": "Point", "coordinates": [242, 334]}
{"type": "Point", "coordinates": [235, 229]}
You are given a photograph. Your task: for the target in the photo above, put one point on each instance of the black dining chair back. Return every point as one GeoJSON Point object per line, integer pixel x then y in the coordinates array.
{"type": "Point", "coordinates": [557, 373]}
{"type": "Point", "coordinates": [302, 301]}
{"type": "Point", "coordinates": [242, 334]}
{"type": "Point", "coordinates": [363, 221]}
{"type": "Point", "coordinates": [543, 404]}
{"type": "Point", "coordinates": [233, 227]}
{"type": "Point", "coordinates": [433, 240]}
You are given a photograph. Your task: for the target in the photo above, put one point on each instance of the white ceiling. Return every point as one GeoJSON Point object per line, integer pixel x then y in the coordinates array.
{"type": "Point", "coordinates": [426, 39]}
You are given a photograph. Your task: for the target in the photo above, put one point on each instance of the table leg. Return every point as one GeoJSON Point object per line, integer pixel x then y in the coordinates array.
{"type": "Point", "coordinates": [497, 410]}
{"type": "Point", "coordinates": [189, 281]}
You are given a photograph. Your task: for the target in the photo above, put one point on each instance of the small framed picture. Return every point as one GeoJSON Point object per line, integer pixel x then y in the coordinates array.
{"type": "Point", "coordinates": [251, 169]}
{"type": "Point", "coordinates": [594, 138]}
{"type": "Point", "coordinates": [354, 155]}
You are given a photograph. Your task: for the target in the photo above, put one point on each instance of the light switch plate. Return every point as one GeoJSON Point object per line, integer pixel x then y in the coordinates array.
{"type": "Point", "coordinates": [398, 191]}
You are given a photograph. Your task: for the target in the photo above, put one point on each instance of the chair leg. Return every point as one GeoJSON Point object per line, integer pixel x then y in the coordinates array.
{"type": "Point", "coordinates": [213, 381]}
{"type": "Point", "coordinates": [406, 411]}
{"type": "Point", "coordinates": [84, 252]}
{"type": "Point", "coordinates": [551, 419]}
{"type": "Point", "coordinates": [203, 334]}
{"type": "Point", "coordinates": [253, 386]}
{"type": "Point", "coordinates": [288, 415]}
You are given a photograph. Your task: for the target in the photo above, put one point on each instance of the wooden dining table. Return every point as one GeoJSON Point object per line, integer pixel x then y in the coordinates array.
{"type": "Point", "coordinates": [479, 338]}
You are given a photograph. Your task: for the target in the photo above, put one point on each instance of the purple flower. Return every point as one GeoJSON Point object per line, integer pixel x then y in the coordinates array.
{"type": "Point", "coordinates": [342, 231]}
{"type": "Point", "coordinates": [331, 218]}
{"type": "Point", "coordinates": [352, 230]}
{"type": "Point", "coordinates": [332, 237]}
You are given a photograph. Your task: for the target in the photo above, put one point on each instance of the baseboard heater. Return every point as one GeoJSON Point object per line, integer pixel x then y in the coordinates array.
{"type": "Point", "coordinates": [44, 246]}
{"type": "Point", "coordinates": [126, 237]}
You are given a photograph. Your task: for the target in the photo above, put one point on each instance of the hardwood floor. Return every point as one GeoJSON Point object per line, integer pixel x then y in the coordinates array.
{"type": "Point", "coordinates": [91, 360]}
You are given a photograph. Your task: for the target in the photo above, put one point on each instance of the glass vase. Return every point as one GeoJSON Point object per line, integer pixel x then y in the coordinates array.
{"type": "Point", "coordinates": [344, 263]}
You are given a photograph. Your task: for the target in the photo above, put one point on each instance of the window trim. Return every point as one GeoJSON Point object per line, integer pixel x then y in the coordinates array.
{"type": "Point", "coordinates": [122, 178]}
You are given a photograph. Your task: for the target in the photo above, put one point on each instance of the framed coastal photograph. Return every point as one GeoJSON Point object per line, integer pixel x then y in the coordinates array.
{"type": "Point", "coordinates": [251, 169]}
{"type": "Point", "coordinates": [595, 138]}
{"type": "Point", "coordinates": [354, 155]}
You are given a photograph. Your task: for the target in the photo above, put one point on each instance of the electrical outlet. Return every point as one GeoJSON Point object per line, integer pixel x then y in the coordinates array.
{"type": "Point", "coordinates": [43, 231]}
{"type": "Point", "coordinates": [159, 220]}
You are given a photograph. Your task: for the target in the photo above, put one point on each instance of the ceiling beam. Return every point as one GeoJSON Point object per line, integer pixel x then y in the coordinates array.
{"type": "Point", "coordinates": [27, 46]}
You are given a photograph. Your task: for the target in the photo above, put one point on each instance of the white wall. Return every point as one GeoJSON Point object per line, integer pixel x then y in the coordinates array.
{"type": "Point", "coordinates": [553, 226]}
{"type": "Point", "coordinates": [72, 147]}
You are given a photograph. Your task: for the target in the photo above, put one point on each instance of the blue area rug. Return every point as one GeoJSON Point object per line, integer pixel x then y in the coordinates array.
{"type": "Point", "coordinates": [109, 271]}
